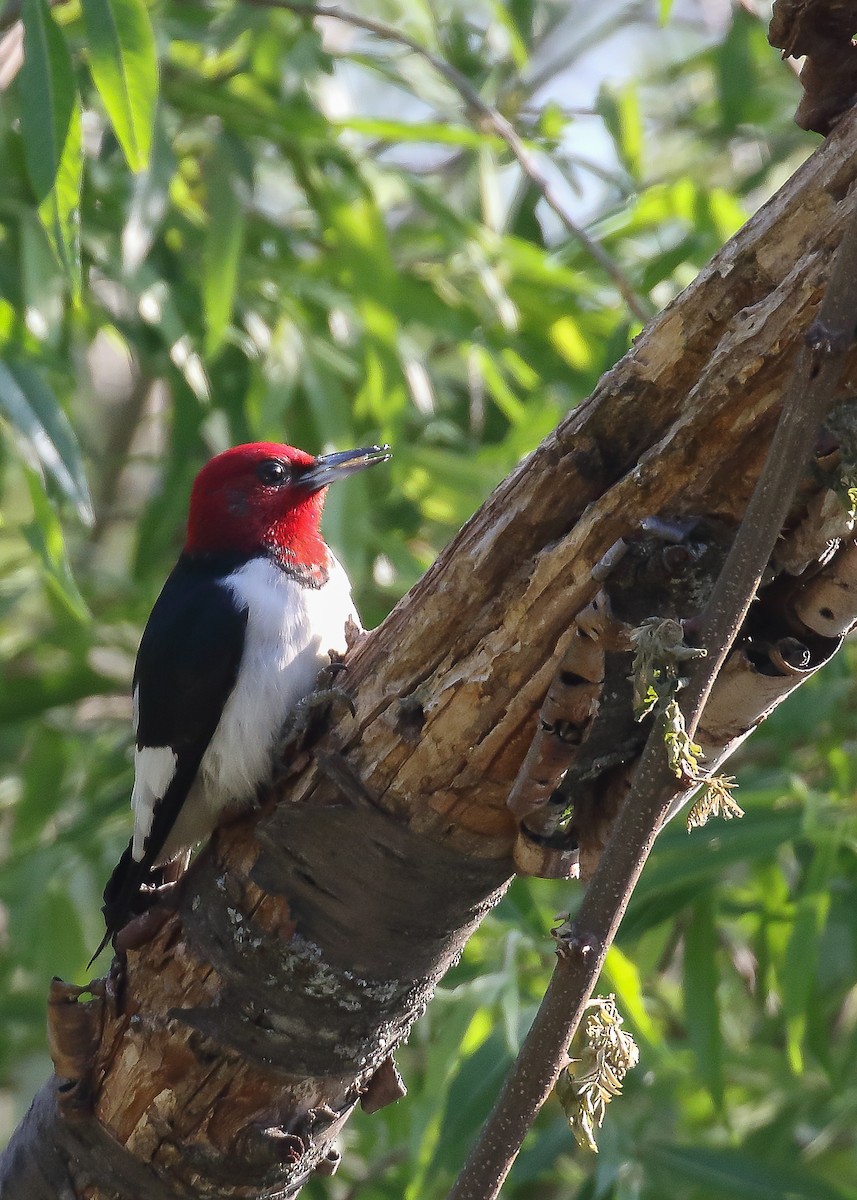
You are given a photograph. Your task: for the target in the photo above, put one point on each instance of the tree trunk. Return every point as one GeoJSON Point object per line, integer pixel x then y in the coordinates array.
{"type": "Point", "coordinates": [226, 1056]}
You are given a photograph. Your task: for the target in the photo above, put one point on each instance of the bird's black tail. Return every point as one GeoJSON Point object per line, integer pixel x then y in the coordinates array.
{"type": "Point", "coordinates": [125, 895]}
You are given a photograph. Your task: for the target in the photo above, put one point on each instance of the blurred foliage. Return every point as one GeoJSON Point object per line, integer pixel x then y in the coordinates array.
{"type": "Point", "coordinates": [222, 222]}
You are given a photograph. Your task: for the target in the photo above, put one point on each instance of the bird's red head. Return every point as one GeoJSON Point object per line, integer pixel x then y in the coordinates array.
{"type": "Point", "coordinates": [268, 497]}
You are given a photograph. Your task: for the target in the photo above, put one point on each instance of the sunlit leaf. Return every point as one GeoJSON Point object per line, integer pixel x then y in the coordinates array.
{"type": "Point", "coordinates": [429, 131]}
{"type": "Point", "coordinates": [124, 66]}
{"type": "Point", "coordinates": [620, 109]}
{"type": "Point", "coordinates": [620, 975]}
{"type": "Point", "coordinates": [51, 125]}
{"type": "Point", "coordinates": [157, 306]}
{"type": "Point", "coordinates": [229, 183]}
{"type": "Point", "coordinates": [247, 110]}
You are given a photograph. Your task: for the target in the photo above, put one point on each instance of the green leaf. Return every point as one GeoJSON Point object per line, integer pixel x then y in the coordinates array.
{"type": "Point", "coordinates": [48, 96]}
{"type": "Point", "coordinates": [229, 181]}
{"type": "Point", "coordinates": [42, 427]}
{"type": "Point", "coordinates": [43, 786]}
{"type": "Point", "coordinates": [42, 284]}
{"type": "Point", "coordinates": [737, 1176]}
{"type": "Point", "coordinates": [801, 965]}
{"type": "Point", "coordinates": [701, 1009]}
{"type": "Point", "coordinates": [248, 111]}
{"type": "Point", "coordinates": [124, 66]}
{"type": "Point", "coordinates": [43, 920]}
{"type": "Point", "coordinates": [59, 212]}
{"type": "Point", "coordinates": [45, 536]}
{"type": "Point", "coordinates": [459, 1031]}
{"type": "Point", "coordinates": [51, 127]}
{"type": "Point", "coordinates": [388, 130]}
{"type": "Point", "coordinates": [757, 836]}
{"type": "Point", "coordinates": [621, 976]}
{"type": "Point", "coordinates": [620, 110]}
{"type": "Point", "coordinates": [511, 22]}
{"type": "Point", "coordinates": [25, 698]}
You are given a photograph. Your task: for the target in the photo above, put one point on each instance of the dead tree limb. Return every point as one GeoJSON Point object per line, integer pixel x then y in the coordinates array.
{"type": "Point", "coordinates": [655, 786]}
{"type": "Point", "coordinates": [225, 1058]}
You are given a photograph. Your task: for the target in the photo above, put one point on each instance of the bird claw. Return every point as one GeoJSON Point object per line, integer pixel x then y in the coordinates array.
{"type": "Point", "coordinates": [313, 714]}
{"type": "Point", "coordinates": [328, 698]}
{"type": "Point", "coordinates": [327, 677]}
{"type": "Point", "coordinates": [143, 928]}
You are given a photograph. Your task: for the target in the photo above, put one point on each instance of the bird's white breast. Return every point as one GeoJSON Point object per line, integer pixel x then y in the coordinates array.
{"type": "Point", "coordinates": [290, 629]}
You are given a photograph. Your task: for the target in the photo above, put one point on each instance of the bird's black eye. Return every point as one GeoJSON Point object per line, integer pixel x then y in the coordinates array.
{"type": "Point", "coordinates": [272, 472]}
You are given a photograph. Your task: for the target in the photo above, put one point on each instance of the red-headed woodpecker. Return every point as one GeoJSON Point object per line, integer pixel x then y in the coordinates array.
{"type": "Point", "coordinates": [236, 638]}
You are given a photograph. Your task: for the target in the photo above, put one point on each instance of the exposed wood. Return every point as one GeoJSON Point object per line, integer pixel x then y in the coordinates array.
{"type": "Point", "coordinates": [308, 941]}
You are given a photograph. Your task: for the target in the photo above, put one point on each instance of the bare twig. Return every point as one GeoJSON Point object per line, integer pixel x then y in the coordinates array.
{"type": "Point", "coordinates": [491, 121]}
{"type": "Point", "coordinates": [582, 954]}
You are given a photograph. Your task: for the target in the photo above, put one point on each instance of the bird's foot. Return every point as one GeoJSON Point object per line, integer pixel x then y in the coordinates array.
{"type": "Point", "coordinates": [312, 715]}
{"type": "Point", "coordinates": [142, 929]}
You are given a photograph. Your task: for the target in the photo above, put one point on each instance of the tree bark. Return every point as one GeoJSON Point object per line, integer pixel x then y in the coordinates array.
{"type": "Point", "coordinates": [227, 1054]}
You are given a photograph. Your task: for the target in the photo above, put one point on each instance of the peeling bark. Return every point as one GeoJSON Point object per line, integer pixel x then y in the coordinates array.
{"type": "Point", "coordinates": [307, 939]}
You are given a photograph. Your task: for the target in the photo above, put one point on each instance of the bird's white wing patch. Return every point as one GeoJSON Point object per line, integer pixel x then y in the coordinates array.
{"type": "Point", "coordinates": [154, 768]}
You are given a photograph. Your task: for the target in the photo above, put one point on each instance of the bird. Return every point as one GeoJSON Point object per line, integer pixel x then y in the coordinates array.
{"type": "Point", "coordinates": [236, 639]}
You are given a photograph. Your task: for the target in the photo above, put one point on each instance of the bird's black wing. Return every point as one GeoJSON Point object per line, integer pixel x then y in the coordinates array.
{"type": "Point", "coordinates": [186, 668]}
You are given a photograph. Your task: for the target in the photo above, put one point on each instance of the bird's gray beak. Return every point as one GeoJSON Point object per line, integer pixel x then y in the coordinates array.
{"type": "Point", "coordinates": [327, 468]}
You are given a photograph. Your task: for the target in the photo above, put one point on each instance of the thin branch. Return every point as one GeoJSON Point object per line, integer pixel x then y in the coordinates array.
{"type": "Point", "coordinates": [582, 954]}
{"type": "Point", "coordinates": [491, 120]}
